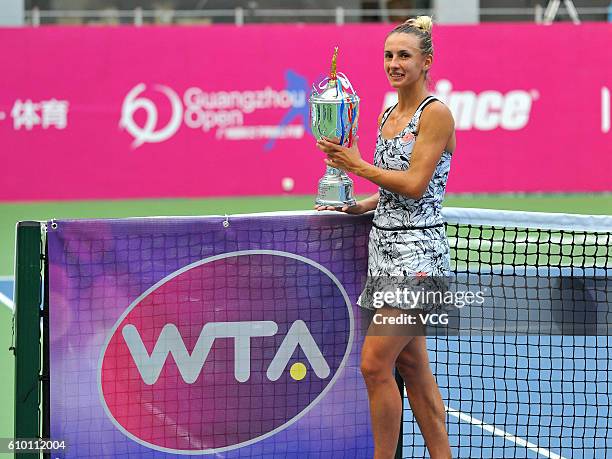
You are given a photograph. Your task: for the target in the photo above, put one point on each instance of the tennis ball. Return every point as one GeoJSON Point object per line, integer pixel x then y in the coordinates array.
{"type": "Point", "coordinates": [298, 371]}
{"type": "Point", "coordinates": [287, 184]}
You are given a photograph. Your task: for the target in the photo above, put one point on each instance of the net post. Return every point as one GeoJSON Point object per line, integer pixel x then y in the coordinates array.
{"type": "Point", "coordinates": [28, 263]}
{"type": "Point", "coordinates": [46, 355]}
{"type": "Point", "coordinates": [400, 441]}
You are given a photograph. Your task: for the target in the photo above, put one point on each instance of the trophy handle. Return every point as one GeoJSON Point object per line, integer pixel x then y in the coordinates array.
{"type": "Point", "coordinates": [341, 77]}
{"type": "Point", "coordinates": [345, 81]}
{"type": "Point", "coordinates": [322, 84]}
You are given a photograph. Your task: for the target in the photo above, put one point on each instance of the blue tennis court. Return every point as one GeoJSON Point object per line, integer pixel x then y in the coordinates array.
{"type": "Point", "coordinates": [6, 291]}
{"type": "Point", "coordinates": [554, 390]}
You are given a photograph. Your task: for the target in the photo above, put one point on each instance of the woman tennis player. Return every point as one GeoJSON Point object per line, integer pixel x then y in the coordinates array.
{"type": "Point", "coordinates": [416, 138]}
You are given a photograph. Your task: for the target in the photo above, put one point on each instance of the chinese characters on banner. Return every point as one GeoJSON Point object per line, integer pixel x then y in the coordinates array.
{"type": "Point", "coordinates": [46, 114]}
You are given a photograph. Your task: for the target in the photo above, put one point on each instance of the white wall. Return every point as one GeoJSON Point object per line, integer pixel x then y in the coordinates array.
{"type": "Point", "coordinates": [11, 12]}
{"type": "Point", "coordinates": [455, 11]}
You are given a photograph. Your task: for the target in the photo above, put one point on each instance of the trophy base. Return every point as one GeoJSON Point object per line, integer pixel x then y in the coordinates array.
{"type": "Point", "coordinates": [335, 189]}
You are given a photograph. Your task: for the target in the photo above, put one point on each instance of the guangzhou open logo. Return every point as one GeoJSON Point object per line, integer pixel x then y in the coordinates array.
{"type": "Point", "coordinates": [155, 114]}
{"type": "Point", "coordinates": [226, 352]}
{"type": "Point", "coordinates": [149, 132]}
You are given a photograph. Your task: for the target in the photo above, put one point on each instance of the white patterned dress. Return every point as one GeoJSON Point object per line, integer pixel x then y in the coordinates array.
{"type": "Point", "coordinates": [407, 239]}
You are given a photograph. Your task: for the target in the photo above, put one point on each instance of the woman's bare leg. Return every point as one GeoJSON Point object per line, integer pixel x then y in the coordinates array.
{"type": "Point", "coordinates": [378, 357]}
{"type": "Point", "coordinates": [424, 397]}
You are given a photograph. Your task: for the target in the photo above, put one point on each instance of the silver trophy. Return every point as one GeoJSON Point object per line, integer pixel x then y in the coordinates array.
{"type": "Point", "coordinates": [334, 111]}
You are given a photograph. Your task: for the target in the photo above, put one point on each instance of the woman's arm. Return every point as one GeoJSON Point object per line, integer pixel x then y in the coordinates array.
{"type": "Point", "coordinates": [370, 203]}
{"type": "Point", "coordinates": [436, 129]}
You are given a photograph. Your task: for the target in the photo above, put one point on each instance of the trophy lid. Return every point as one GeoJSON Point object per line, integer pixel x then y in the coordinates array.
{"type": "Point", "coordinates": [336, 88]}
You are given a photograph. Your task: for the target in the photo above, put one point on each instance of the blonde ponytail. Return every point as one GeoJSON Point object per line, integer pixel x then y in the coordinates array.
{"type": "Point", "coordinates": [424, 23]}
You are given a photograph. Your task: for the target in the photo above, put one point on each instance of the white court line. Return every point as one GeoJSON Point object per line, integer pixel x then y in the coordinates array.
{"type": "Point", "coordinates": [6, 301]}
{"type": "Point", "coordinates": [499, 432]}
{"type": "Point", "coordinates": [508, 436]}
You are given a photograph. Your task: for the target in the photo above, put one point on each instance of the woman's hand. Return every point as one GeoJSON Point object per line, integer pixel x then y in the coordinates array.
{"type": "Point", "coordinates": [347, 159]}
{"type": "Point", "coordinates": [357, 209]}
{"type": "Point", "coordinates": [363, 206]}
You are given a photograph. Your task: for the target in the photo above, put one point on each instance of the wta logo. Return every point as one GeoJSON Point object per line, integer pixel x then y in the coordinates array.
{"type": "Point", "coordinates": [226, 352]}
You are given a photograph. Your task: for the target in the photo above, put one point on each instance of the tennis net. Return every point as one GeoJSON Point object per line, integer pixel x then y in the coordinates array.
{"type": "Point", "coordinates": [512, 394]}
{"type": "Point", "coordinates": [232, 299]}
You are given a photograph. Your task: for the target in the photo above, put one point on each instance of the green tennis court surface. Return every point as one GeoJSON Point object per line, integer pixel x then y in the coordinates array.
{"type": "Point", "coordinates": [13, 212]}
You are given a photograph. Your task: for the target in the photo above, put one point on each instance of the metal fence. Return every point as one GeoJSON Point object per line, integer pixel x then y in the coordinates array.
{"type": "Point", "coordinates": [242, 16]}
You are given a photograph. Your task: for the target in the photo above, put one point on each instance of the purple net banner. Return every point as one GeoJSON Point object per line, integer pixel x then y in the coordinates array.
{"type": "Point", "coordinates": [233, 338]}
{"type": "Point", "coordinates": [128, 112]}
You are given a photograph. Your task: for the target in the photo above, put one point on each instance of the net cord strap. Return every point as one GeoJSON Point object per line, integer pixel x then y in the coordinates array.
{"type": "Point", "coordinates": [464, 216]}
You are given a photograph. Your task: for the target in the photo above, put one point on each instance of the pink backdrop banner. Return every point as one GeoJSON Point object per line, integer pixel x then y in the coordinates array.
{"type": "Point", "coordinates": [220, 111]}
